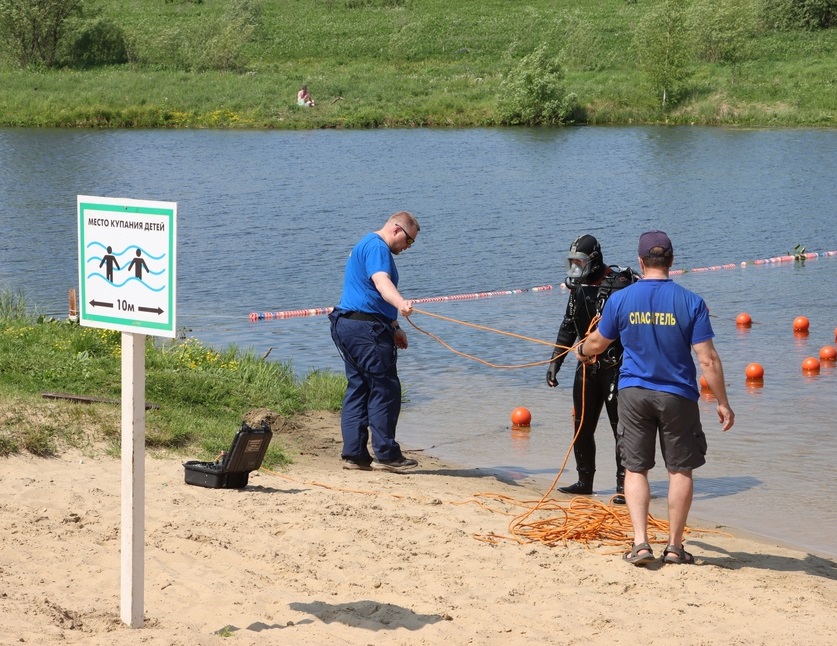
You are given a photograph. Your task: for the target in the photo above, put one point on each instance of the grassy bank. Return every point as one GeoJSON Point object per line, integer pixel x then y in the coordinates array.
{"type": "Point", "coordinates": [374, 63]}
{"type": "Point", "coordinates": [201, 394]}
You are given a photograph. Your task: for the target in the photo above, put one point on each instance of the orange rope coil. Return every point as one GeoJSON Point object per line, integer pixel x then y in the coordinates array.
{"type": "Point", "coordinates": [550, 521]}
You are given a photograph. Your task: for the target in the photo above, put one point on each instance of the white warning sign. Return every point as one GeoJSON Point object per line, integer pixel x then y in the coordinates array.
{"type": "Point", "coordinates": [127, 268]}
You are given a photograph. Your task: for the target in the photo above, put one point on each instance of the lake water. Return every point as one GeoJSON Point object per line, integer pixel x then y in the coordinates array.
{"type": "Point", "coordinates": [266, 220]}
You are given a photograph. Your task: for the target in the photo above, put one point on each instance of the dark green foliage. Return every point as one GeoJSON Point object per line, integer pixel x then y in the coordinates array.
{"type": "Point", "coordinates": [533, 93]}
{"type": "Point", "coordinates": [799, 14]}
{"type": "Point", "coordinates": [89, 43]}
{"type": "Point", "coordinates": [31, 30]}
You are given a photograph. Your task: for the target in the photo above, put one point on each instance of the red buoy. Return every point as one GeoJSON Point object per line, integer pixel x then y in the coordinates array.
{"type": "Point", "coordinates": [754, 371]}
{"type": "Point", "coordinates": [743, 320]}
{"type": "Point", "coordinates": [811, 364]}
{"type": "Point", "coordinates": [521, 416]}
{"type": "Point", "coordinates": [828, 353]}
{"type": "Point", "coordinates": [801, 324]}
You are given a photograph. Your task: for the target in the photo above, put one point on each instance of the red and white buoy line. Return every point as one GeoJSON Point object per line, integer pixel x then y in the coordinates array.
{"type": "Point", "coordinates": [763, 261]}
{"type": "Point", "coordinates": [318, 311]}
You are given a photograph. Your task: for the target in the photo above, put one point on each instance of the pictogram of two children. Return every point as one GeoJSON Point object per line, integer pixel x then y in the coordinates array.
{"type": "Point", "coordinates": [137, 264]}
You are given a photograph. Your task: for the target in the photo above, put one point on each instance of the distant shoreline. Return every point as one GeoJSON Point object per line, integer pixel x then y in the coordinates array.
{"type": "Point", "coordinates": [403, 64]}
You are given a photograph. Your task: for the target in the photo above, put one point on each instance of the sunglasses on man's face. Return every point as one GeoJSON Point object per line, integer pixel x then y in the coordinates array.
{"type": "Point", "coordinates": [410, 240]}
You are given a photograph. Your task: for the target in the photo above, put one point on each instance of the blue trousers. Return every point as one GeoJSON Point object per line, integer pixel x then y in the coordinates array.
{"type": "Point", "coordinates": [373, 394]}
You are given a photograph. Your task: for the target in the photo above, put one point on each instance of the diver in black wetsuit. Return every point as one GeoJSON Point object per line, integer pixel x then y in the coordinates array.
{"type": "Point", "coordinates": [590, 282]}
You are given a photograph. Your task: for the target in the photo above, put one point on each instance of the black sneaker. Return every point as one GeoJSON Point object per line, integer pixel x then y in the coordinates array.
{"type": "Point", "coordinates": [401, 465]}
{"type": "Point", "coordinates": [351, 465]}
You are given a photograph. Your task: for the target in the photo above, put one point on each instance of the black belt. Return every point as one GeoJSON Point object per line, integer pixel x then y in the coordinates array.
{"type": "Point", "coordinates": [360, 316]}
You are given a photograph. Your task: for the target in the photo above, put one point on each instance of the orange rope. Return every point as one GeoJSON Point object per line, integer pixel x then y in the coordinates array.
{"type": "Point", "coordinates": [584, 520]}
{"type": "Point", "coordinates": [580, 520]}
{"type": "Point", "coordinates": [519, 520]}
{"type": "Point", "coordinates": [487, 329]}
{"type": "Point", "coordinates": [550, 521]}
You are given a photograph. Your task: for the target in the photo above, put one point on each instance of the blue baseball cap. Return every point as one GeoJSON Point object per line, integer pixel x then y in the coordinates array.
{"type": "Point", "coordinates": [654, 240]}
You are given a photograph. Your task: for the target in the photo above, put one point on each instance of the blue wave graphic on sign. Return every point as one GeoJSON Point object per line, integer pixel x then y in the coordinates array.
{"type": "Point", "coordinates": [125, 282]}
{"type": "Point", "coordinates": [127, 249]}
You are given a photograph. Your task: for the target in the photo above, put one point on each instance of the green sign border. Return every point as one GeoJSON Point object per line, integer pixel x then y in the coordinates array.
{"type": "Point", "coordinates": [141, 210]}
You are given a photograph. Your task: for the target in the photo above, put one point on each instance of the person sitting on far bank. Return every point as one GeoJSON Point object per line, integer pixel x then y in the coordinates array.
{"type": "Point", "coordinates": [303, 98]}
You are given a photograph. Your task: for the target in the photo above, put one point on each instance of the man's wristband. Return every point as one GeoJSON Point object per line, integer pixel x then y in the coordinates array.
{"type": "Point", "coordinates": [581, 351]}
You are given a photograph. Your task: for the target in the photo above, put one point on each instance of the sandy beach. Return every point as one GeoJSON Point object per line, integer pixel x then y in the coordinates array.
{"type": "Point", "coordinates": [314, 554]}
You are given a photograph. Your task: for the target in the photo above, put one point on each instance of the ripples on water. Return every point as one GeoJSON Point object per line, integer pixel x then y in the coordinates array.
{"type": "Point", "coordinates": [266, 220]}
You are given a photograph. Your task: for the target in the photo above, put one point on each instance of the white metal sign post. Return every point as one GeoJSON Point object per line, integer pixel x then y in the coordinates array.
{"type": "Point", "coordinates": [127, 278]}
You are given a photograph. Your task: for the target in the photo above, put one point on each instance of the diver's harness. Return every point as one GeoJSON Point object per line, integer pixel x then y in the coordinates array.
{"type": "Point", "coordinates": [618, 278]}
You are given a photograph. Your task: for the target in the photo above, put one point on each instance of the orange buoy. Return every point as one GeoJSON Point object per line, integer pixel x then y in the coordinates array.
{"type": "Point", "coordinates": [703, 383]}
{"type": "Point", "coordinates": [828, 353]}
{"type": "Point", "coordinates": [835, 335]}
{"type": "Point", "coordinates": [743, 320]}
{"type": "Point", "coordinates": [521, 416]}
{"type": "Point", "coordinates": [754, 371]}
{"type": "Point", "coordinates": [811, 364]}
{"type": "Point", "coordinates": [801, 324]}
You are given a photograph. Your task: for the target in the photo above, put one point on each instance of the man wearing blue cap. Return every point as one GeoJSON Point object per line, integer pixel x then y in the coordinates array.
{"type": "Point", "coordinates": [659, 323]}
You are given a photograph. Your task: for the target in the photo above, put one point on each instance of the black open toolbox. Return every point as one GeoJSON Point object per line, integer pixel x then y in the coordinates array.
{"type": "Point", "coordinates": [232, 469]}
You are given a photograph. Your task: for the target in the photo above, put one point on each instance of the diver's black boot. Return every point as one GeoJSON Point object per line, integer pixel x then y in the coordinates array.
{"type": "Point", "coordinates": [584, 486]}
{"type": "Point", "coordinates": [619, 498]}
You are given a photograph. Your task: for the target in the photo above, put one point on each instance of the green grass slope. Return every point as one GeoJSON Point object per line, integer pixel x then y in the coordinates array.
{"type": "Point", "coordinates": [405, 63]}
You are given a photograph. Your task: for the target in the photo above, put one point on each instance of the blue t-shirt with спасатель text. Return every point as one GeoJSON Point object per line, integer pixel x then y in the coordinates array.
{"type": "Point", "coordinates": [369, 256]}
{"type": "Point", "coordinates": [658, 322]}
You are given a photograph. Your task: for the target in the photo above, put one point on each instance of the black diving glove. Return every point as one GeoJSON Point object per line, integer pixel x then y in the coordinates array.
{"type": "Point", "coordinates": [552, 374]}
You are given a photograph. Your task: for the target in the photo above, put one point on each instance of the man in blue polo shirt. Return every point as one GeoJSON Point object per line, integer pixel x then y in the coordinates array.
{"type": "Point", "coordinates": [659, 324]}
{"type": "Point", "coordinates": [364, 327]}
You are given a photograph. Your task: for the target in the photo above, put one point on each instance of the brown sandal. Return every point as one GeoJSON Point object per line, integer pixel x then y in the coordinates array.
{"type": "Point", "coordinates": [677, 555]}
{"type": "Point", "coordinates": [635, 558]}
